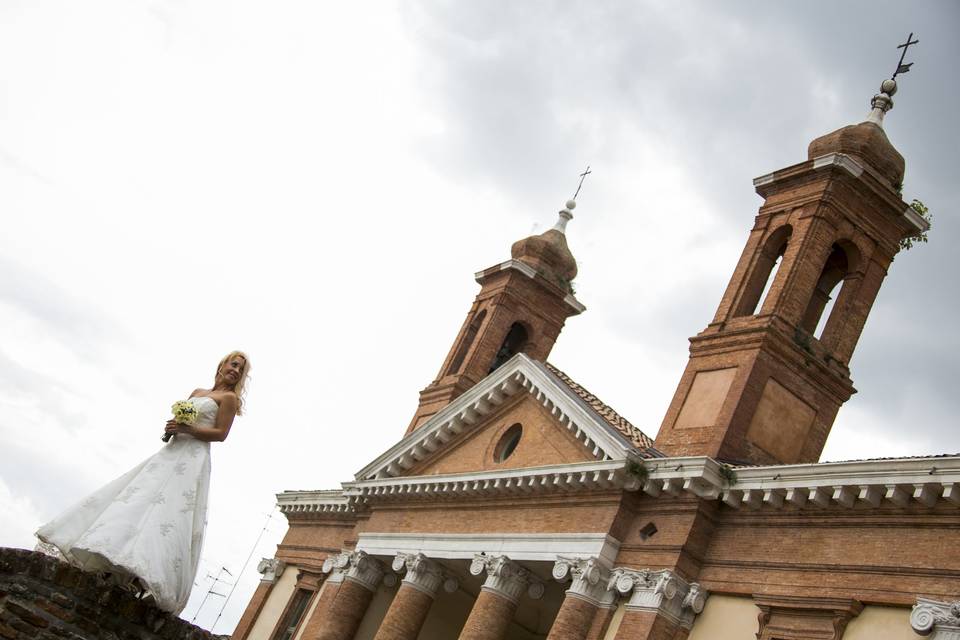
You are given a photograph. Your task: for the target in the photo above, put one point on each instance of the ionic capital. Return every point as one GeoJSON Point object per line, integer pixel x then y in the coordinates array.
{"type": "Point", "coordinates": [939, 620]}
{"type": "Point", "coordinates": [588, 580]}
{"type": "Point", "coordinates": [271, 569]}
{"type": "Point", "coordinates": [506, 578]}
{"type": "Point", "coordinates": [662, 592]}
{"type": "Point", "coordinates": [423, 574]}
{"type": "Point", "coordinates": [355, 566]}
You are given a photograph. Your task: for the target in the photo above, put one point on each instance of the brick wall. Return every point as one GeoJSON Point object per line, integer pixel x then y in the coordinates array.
{"type": "Point", "coordinates": [42, 598]}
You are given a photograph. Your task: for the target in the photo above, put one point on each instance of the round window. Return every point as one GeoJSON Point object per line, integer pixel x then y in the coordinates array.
{"type": "Point", "coordinates": [508, 443]}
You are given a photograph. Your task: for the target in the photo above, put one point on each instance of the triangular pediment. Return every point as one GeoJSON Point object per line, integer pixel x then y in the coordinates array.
{"type": "Point", "coordinates": [463, 436]}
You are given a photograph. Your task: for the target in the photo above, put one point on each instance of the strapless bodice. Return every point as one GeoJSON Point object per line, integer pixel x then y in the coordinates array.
{"type": "Point", "coordinates": [207, 409]}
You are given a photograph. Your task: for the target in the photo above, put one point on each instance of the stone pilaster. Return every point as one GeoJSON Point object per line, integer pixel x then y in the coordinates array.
{"type": "Point", "coordinates": [271, 569]}
{"type": "Point", "coordinates": [939, 620]}
{"type": "Point", "coordinates": [587, 594]}
{"type": "Point", "coordinates": [410, 607]}
{"type": "Point", "coordinates": [660, 603]}
{"type": "Point", "coordinates": [495, 606]}
{"type": "Point", "coordinates": [359, 576]}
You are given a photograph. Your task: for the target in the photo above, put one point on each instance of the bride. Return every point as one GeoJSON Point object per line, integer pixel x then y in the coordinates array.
{"type": "Point", "coordinates": [147, 525]}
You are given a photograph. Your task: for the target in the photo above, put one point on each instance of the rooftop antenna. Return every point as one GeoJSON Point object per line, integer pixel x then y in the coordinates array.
{"type": "Point", "coordinates": [246, 562]}
{"type": "Point", "coordinates": [216, 580]}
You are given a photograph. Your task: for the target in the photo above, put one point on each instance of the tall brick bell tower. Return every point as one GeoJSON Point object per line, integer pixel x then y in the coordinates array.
{"type": "Point", "coordinates": [521, 307]}
{"type": "Point", "coordinates": [767, 376]}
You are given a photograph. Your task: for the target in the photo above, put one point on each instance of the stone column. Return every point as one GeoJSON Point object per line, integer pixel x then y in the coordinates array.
{"type": "Point", "coordinates": [587, 594]}
{"type": "Point", "coordinates": [493, 611]}
{"type": "Point", "coordinates": [661, 605]}
{"type": "Point", "coordinates": [359, 575]}
{"type": "Point", "coordinates": [939, 620]}
{"type": "Point", "coordinates": [417, 592]}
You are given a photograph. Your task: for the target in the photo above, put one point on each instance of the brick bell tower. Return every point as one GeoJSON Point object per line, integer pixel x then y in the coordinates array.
{"type": "Point", "coordinates": [767, 376]}
{"type": "Point", "coordinates": [522, 306]}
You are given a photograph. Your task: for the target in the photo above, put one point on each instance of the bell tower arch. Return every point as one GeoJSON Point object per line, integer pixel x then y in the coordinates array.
{"type": "Point", "coordinates": [522, 306]}
{"type": "Point", "coordinates": [767, 376]}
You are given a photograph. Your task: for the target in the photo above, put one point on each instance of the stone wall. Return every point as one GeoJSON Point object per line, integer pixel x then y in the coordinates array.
{"type": "Point", "coordinates": [42, 598]}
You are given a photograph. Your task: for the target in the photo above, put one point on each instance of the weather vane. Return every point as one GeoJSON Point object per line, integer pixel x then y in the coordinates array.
{"type": "Point", "coordinates": [903, 68]}
{"type": "Point", "coordinates": [584, 175]}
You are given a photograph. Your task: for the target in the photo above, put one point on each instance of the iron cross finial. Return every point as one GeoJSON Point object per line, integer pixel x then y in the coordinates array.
{"type": "Point", "coordinates": [582, 177]}
{"type": "Point", "coordinates": [903, 68]}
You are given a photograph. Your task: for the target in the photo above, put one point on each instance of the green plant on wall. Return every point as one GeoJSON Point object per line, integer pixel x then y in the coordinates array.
{"type": "Point", "coordinates": [923, 212]}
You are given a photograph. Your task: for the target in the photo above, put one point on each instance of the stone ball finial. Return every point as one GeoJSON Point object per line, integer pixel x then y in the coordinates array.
{"type": "Point", "coordinates": [888, 87]}
{"type": "Point", "coordinates": [571, 204]}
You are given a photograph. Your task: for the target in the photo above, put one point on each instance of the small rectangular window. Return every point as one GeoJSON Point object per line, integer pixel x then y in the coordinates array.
{"type": "Point", "coordinates": [293, 615]}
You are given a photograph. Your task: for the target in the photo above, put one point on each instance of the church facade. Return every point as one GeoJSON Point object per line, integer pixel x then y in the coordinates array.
{"type": "Point", "coordinates": [518, 506]}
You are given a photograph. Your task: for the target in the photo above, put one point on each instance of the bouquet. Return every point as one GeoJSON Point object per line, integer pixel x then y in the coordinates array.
{"type": "Point", "coordinates": [184, 412]}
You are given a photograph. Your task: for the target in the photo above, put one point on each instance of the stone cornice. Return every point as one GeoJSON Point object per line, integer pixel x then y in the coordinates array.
{"type": "Point", "coordinates": [506, 578]}
{"type": "Point", "coordinates": [892, 483]}
{"type": "Point", "coordinates": [939, 620]}
{"type": "Point", "coordinates": [355, 566]}
{"type": "Point", "coordinates": [530, 272]}
{"type": "Point", "coordinates": [588, 580]}
{"type": "Point", "coordinates": [662, 592]}
{"type": "Point", "coordinates": [519, 374]}
{"type": "Point", "coordinates": [423, 574]}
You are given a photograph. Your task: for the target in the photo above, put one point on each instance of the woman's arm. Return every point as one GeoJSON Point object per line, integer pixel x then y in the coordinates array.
{"type": "Point", "coordinates": [218, 432]}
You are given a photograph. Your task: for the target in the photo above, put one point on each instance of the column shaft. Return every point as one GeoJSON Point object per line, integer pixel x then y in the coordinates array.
{"type": "Point", "coordinates": [574, 619]}
{"type": "Point", "coordinates": [345, 612]}
{"type": "Point", "coordinates": [406, 615]}
{"type": "Point", "coordinates": [320, 611]}
{"type": "Point", "coordinates": [646, 625]}
{"type": "Point", "coordinates": [490, 617]}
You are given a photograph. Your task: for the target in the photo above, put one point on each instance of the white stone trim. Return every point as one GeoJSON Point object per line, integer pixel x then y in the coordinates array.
{"type": "Point", "coordinates": [516, 265]}
{"type": "Point", "coordinates": [939, 620]}
{"type": "Point", "coordinates": [916, 220]}
{"type": "Point", "coordinates": [271, 569]}
{"type": "Point", "coordinates": [588, 580]}
{"type": "Point", "coordinates": [313, 502]}
{"type": "Point", "coordinates": [762, 180]}
{"type": "Point", "coordinates": [662, 592]}
{"type": "Point", "coordinates": [519, 546]}
{"type": "Point", "coordinates": [506, 578]}
{"type": "Point", "coordinates": [520, 373]}
{"type": "Point", "coordinates": [356, 566]}
{"type": "Point", "coordinates": [897, 482]}
{"type": "Point", "coordinates": [841, 160]}
{"type": "Point", "coordinates": [423, 574]}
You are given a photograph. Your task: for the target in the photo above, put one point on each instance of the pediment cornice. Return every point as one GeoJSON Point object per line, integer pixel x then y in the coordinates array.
{"type": "Point", "coordinates": [519, 375]}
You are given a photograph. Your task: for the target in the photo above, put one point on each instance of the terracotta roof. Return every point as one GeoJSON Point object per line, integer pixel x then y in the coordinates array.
{"type": "Point", "coordinates": [637, 438]}
{"type": "Point", "coordinates": [735, 464]}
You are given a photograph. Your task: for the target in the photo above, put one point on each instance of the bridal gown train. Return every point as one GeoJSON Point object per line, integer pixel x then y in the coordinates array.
{"type": "Point", "coordinates": [149, 522]}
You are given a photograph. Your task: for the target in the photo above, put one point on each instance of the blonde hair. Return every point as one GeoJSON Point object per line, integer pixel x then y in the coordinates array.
{"type": "Point", "coordinates": [241, 383]}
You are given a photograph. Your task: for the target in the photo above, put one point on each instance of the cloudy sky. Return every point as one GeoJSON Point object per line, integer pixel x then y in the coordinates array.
{"type": "Point", "coordinates": [316, 183]}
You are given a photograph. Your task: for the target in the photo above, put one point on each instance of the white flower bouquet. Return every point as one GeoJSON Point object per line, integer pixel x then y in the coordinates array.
{"type": "Point", "coordinates": [184, 412]}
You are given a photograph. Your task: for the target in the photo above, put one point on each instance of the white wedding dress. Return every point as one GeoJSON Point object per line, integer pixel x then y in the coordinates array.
{"type": "Point", "coordinates": [149, 522]}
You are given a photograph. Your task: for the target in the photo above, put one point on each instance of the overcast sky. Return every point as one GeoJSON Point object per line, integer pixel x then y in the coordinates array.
{"type": "Point", "coordinates": [316, 183]}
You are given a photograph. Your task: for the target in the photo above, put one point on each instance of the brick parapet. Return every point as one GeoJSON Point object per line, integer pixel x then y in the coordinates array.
{"type": "Point", "coordinates": [42, 598]}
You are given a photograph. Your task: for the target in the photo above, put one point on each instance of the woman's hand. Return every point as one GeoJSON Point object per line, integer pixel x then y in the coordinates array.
{"type": "Point", "coordinates": [174, 427]}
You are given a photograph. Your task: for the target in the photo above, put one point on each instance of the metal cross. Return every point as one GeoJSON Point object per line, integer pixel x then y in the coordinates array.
{"type": "Point", "coordinates": [903, 68]}
{"type": "Point", "coordinates": [582, 176]}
